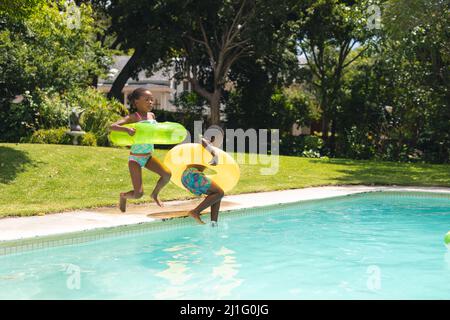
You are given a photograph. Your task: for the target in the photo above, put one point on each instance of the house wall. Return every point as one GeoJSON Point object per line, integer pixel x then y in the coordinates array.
{"type": "Point", "coordinates": [163, 95]}
{"type": "Point", "coordinates": [298, 130]}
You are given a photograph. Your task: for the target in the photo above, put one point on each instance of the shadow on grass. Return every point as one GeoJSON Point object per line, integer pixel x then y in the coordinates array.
{"type": "Point", "coordinates": [390, 173]}
{"type": "Point", "coordinates": [12, 162]}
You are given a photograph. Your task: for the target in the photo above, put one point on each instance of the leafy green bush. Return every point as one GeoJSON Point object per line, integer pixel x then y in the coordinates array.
{"type": "Point", "coordinates": [394, 150]}
{"type": "Point", "coordinates": [311, 154]}
{"type": "Point", "coordinates": [17, 120]}
{"type": "Point", "coordinates": [99, 112]}
{"type": "Point", "coordinates": [312, 146]}
{"type": "Point", "coordinates": [60, 136]}
{"type": "Point", "coordinates": [53, 111]}
{"type": "Point", "coordinates": [314, 143]}
{"type": "Point", "coordinates": [49, 110]}
{"type": "Point", "coordinates": [306, 146]}
{"type": "Point", "coordinates": [281, 109]}
{"type": "Point", "coordinates": [291, 145]}
{"type": "Point", "coordinates": [42, 50]}
{"type": "Point", "coordinates": [190, 108]}
{"type": "Point", "coordinates": [40, 110]}
{"type": "Point", "coordinates": [41, 54]}
{"type": "Point", "coordinates": [358, 144]}
{"type": "Point", "coordinates": [50, 136]}
{"type": "Point", "coordinates": [88, 139]}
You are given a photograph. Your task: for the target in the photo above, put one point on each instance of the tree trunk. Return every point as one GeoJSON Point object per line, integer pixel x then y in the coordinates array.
{"type": "Point", "coordinates": [125, 74]}
{"type": "Point", "coordinates": [333, 137]}
{"type": "Point", "coordinates": [324, 128]}
{"type": "Point", "coordinates": [324, 107]}
{"type": "Point", "coordinates": [215, 108]}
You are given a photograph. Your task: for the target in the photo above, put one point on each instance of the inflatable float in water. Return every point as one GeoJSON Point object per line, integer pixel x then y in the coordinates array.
{"type": "Point", "coordinates": [447, 240]}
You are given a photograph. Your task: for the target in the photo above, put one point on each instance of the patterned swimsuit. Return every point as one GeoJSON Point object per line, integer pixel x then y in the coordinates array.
{"type": "Point", "coordinates": [141, 153]}
{"type": "Point", "coordinates": [195, 181]}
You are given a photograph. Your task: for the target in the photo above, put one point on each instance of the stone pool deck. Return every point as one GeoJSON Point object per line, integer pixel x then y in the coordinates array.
{"type": "Point", "coordinates": [90, 219]}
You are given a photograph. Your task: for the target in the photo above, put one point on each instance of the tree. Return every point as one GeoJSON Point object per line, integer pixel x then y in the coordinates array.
{"type": "Point", "coordinates": [146, 28]}
{"type": "Point", "coordinates": [415, 55]}
{"type": "Point", "coordinates": [258, 96]}
{"type": "Point", "coordinates": [424, 23]}
{"type": "Point", "coordinates": [45, 50]}
{"type": "Point", "coordinates": [201, 39]}
{"type": "Point", "coordinates": [104, 30]}
{"type": "Point", "coordinates": [332, 34]}
{"type": "Point", "coordinates": [19, 9]}
{"type": "Point", "coordinates": [399, 95]}
{"type": "Point", "coordinates": [213, 40]}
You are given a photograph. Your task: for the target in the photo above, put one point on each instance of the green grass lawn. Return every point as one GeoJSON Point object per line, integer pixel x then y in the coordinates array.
{"type": "Point", "coordinates": [38, 179]}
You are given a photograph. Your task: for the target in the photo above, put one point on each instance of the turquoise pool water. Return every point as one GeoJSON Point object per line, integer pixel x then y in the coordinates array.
{"type": "Point", "coordinates": [371, 246]}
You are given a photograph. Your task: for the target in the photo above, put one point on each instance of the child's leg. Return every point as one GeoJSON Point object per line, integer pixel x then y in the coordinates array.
{"type": "Point", "coordinates": [215, 194]}
{"type": "Point", "coordinates": [153, 164]}
{"type": "Point", "coordinates": [136, 180]}
{"type": "Point", "coordinates": [215, 211]}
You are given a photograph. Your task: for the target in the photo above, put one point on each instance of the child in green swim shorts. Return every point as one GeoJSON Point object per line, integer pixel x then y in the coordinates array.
{"type": "Point", "coordinates": [141, 155]}
{"type": "Point", "coordinates": [194, 180]}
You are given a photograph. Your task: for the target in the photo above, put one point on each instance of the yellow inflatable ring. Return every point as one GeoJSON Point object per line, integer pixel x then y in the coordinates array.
{"type": "Point", "coordinates": [178, 158]}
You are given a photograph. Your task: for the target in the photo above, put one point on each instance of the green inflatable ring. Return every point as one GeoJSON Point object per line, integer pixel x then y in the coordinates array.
{"type": "Point", "coordinates": [149, 132]}
{"type": "Point", "coordinates": [447, 239]}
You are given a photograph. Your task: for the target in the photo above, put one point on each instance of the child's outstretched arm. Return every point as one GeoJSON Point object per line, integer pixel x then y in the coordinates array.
{"type": "Point", "coordinates": [208, 146]}
{"type": "Point", "coordinates": [118, 125]}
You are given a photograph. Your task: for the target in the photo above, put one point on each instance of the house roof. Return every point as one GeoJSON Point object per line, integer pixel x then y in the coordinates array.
{"type": "Point", "coordinates": [159, 78]}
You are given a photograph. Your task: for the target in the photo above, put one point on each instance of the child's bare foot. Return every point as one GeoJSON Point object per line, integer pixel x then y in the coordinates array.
{"type": "Point", "coordinates": [196, 216]}
{"type": "Point", "coordinates": [158, 202]}
{"type": "Point", "coordinates": [123, 203]}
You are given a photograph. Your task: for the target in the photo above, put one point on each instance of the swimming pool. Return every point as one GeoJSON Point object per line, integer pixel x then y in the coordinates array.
{"type": "Point", "coordinates": [367, 246]}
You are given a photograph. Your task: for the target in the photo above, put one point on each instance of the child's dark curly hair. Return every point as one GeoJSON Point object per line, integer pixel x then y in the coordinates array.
{"type": "Point", "coordinates": [132, 97]}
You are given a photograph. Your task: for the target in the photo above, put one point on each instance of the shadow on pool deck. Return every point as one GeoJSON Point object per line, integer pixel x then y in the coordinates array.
{"type": "Point", "coordinates": [12, 163]}
{"type": "Point", "coordinates": [172, 209]}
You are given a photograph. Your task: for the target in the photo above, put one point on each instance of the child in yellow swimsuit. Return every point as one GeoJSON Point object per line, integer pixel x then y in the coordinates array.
{"type": "Point", "coordinates": [141, 154]}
